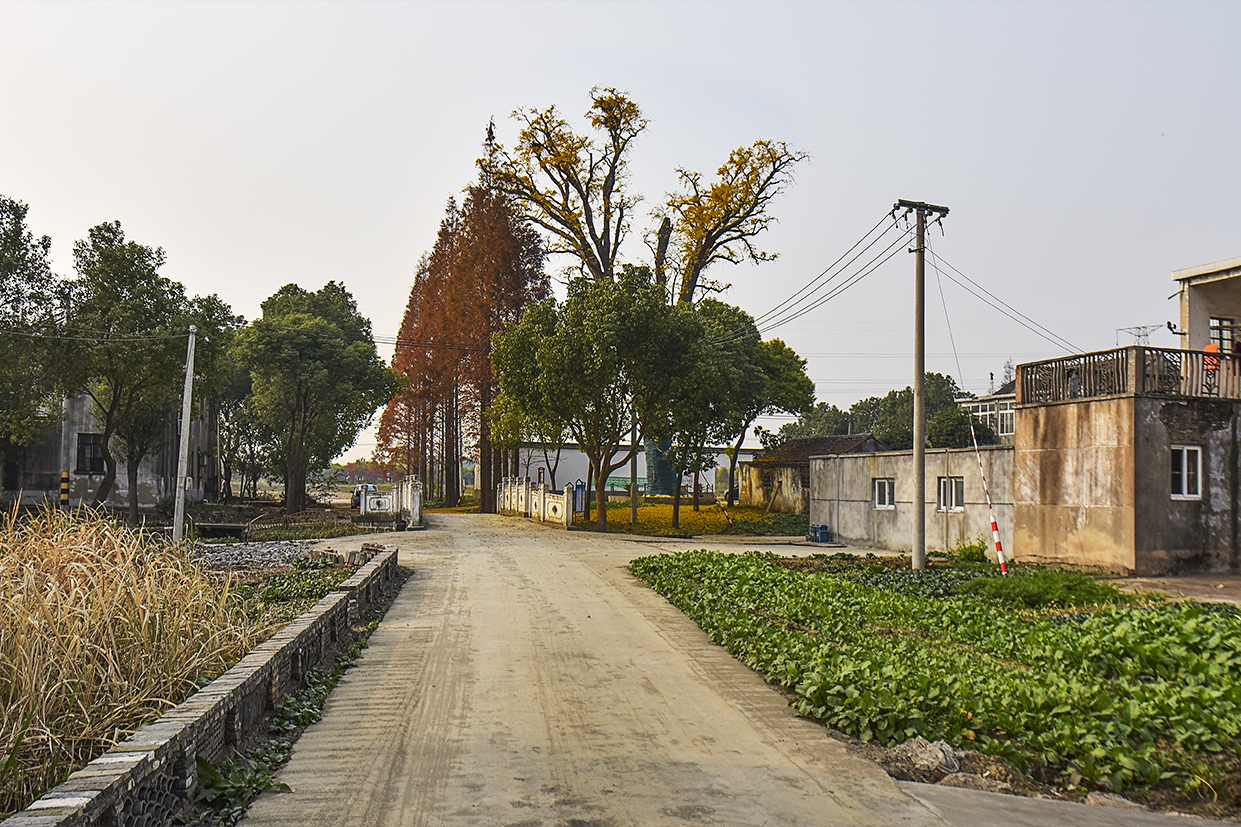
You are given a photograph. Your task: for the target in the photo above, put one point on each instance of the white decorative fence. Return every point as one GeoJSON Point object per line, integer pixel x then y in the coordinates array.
{"type": "Point", "coordinates": [522, 498]}
{"type": "Point", "coordinates": [407, 500]}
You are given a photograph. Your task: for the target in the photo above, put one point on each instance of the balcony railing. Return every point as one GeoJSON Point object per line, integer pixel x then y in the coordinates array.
{"type": "Point", "coordinates": [1144, 371]}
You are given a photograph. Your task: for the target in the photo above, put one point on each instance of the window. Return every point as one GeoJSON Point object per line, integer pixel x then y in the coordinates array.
{"type": "Point", "coordinates": [1006, 422]}
{"type": "Point", "coordinates": [90, 454]}
{"type": "Point", "coordinates": [883, 491]}
{"type": "Point", "coordinates": [951, 493]}
{"type": "Point", "coordinates": [1186, 472]}
{"type": "Point", "coordinates": [1221, 334]}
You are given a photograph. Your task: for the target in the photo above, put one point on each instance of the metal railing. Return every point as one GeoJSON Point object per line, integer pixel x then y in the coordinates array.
{"type": "Point", "coordinates": [1143, 371]}
{"type": "Point", "coordinates": [1075, 377]}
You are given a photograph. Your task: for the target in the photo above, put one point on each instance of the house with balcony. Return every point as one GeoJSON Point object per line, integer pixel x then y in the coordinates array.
{"type": "Point", "coordinates": [1126, 459]}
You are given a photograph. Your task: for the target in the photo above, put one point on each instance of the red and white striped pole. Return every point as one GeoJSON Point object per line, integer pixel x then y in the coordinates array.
{"type": "Point", "coordinates": [995, 530]}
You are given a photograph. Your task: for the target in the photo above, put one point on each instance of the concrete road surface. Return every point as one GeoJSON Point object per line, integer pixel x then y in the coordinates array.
{"type": "Point", "coordinates": [523, 677]}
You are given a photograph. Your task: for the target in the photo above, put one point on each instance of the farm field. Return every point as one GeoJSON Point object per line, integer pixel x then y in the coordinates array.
{"type": "Point", "coordinates": [1068, 680]}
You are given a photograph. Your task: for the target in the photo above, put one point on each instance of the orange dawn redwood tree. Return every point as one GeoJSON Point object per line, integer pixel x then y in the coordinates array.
{"type": "Point", "coordinates": [487, 263]}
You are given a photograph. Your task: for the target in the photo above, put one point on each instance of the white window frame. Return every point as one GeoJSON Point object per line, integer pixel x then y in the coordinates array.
{"type": "Point", "coordinates": [1186, 472]}
{"type": "Point", "coordinates": [885, 486]}
{"type": "Point", "coordinates": [1006, 418]}
{"type": "Point", "coordinates": [951, 494]}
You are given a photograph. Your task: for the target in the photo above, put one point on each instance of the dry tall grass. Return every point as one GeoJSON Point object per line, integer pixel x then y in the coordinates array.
{"type": "Point", "coordinates": [101, 631]}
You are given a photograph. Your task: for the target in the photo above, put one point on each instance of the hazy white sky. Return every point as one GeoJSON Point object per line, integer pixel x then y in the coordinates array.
{"type": "Point", "coordinates": [1086, 150]}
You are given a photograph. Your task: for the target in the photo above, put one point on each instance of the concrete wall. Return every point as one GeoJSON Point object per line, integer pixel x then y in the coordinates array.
{"type": "Point", "coordinates": [1172, 535]}
{"type": "Point", "coordinates": [1074, 483]}
{"type": "Point", "coordinates": [40, 464]}
{"type": "Point", "coordinates": [757, 482]}
{"type": "Point", "coordinates": [1093, 484]}
{"type": "Point", "coordinates": [841, 497]}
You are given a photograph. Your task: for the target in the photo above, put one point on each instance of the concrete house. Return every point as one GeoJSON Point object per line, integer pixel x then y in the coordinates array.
{"type": "Point", "coordinates": [779, 480]}
{"type": "Point", "coordinates": [33, 471]}
{"type": "Point", "coordinates": [1126, 459]}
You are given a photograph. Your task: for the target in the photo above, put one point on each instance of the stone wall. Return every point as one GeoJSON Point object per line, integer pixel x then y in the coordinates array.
{"type": "Point", "coordinates": [148, 779]}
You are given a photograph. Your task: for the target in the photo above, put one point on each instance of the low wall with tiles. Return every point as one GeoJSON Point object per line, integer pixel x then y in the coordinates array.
{"type": "Point", "coordinates": [149, 778]}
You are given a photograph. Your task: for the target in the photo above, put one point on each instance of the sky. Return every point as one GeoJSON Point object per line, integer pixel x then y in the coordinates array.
{"type": "Point", "coordinates": [1085, 150]}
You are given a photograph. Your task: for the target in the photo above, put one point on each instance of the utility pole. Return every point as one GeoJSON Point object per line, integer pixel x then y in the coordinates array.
{"type": "Point", "coordinates": [178, 520]}
{"type": "Point", "coordinates": [920, 210]}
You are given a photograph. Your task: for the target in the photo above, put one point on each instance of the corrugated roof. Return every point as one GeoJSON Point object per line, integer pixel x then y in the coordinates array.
{"type": "Point", "coordinates": [797, 451]}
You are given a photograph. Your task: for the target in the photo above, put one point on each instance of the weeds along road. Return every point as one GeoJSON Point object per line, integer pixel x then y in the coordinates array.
{"type": "Point", "coordinates": [524, 677]}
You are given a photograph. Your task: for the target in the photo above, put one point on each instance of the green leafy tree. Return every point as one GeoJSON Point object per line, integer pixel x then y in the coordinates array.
{"type": "Point", "coordinates": [823, 419]}
{"type": "Point", "coordinates": [785, 387]}
{"type": "Point", "coordinates": [890, 418]}
{"type": "Point", "coordinates": [317, 378]}
{"type": "Point", "coordinates": [613, 349]}
{"type": "Point", "coordinates": [29, 304]}
{"type": "Point", "coordinates": [145, 431]}
{"type": "Point", "coordinates": [131, 326]}
{"type": "Point", "coordinates": [950, 428]}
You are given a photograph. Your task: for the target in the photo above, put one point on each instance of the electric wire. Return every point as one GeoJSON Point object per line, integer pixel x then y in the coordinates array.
{"type": "Point", "coordinates": [871, 266]}
{"type": "Point", "coordinates": [829, 268]}
{"type": "Point", "coordinates": [97, 337]}
{"type": "Point", "coordinates": [1003, 307]}
{"type": "Point", "coordinates": [795, 312]}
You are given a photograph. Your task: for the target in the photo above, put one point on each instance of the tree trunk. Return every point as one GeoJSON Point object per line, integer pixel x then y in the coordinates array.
{"type": "Point", "coordinates": [676, 502]}
{"type": "Point", "coordinates": [131, 473]}
{"type": "Point", "coordinates": [109, 469]}
{"type": "Point", "coordinates": [601, 499]}
{"type": "Point", "coordinates": [732, 468]}
{"type": "Point", "coordinates": [590, 476]}
{"type": "Point", "coordinates": [486, 490]}
{"type": "Point", "coordinates": [697, 489]}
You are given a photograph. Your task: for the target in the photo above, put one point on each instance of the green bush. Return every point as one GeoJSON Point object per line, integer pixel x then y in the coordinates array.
{"type": "Point", "coordinates": [973, 551]}
{"type": "Point", "coordinates": [1034, 588]}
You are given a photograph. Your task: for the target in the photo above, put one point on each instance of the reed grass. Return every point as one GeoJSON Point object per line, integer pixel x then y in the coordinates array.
{"type": "Point", "coordinates": [102, 629]}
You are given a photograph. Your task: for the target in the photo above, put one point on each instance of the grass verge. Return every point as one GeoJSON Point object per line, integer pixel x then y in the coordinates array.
{"type": "Point", "coordinates": [655, 520]}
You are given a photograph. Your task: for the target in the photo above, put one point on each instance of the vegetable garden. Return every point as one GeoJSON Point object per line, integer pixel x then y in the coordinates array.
{"type": "Point", "coordinates": [1063, 676]}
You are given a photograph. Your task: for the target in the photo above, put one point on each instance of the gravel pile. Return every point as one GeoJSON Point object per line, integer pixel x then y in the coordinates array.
{"type": "Point", "coordinates": [233, 556]}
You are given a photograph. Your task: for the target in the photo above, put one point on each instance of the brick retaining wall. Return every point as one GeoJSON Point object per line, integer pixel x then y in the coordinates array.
{"type": "Point", "coordinates": [148, 778]}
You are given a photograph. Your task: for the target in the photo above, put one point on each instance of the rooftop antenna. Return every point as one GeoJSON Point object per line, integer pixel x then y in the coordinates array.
{"type": "Point", "coordinates": [1141, 334]}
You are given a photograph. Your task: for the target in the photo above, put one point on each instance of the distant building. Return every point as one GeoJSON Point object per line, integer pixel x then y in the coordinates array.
{"type": "Point", "coordinates": [779, 480]}
{"type": "Point", "coordinates": [73, 445]}
{"type": "Point", "coordinates": [997, 410]}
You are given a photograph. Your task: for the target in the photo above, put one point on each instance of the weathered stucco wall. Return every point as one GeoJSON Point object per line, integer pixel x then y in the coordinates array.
{"type": "Point", "coordinates": [1074, 483]}
{"type": "Point", "coordinates": [1174, 535]}
{"type": "Point", "coordinates": [842, 489]}
{"type": "Point", "coordinates": [758, 481]}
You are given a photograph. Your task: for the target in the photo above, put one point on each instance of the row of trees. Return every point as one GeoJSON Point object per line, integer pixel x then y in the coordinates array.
{"type": "Point", "coordinates": [890, 419]}
{"type": "Point", "coordinates": [291, 390]}
{"type": "Point", "coordinates": [486, 265]}
{"type": "Point", "coordinates": [631, 347]}
{"type": "Point", "coordinates": [616, 355]}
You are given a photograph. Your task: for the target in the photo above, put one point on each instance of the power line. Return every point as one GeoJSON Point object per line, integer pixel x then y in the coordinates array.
{"type": "Point", "coordinates": [98, 337]}
{"type": "Point", "coordinates": [1003, 307]}
{"type": "Point", "coordinates": [830, 267]}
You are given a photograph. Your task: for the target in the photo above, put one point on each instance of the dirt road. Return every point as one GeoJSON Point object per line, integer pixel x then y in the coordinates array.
{"type": "Point", "coordinates": [523, 677]}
